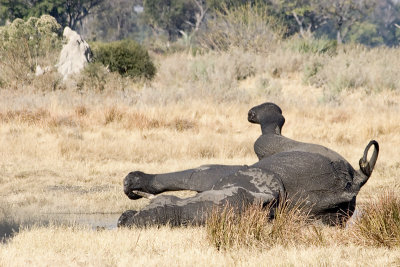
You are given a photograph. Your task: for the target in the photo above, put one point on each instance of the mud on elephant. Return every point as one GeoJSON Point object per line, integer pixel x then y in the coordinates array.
{"type": "Point", "coordinates": [300, 172]}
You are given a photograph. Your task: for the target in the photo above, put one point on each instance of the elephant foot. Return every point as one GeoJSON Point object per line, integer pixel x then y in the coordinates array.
{"type": "Point", "coordinates": [135, 183]}
{"type": "Point", "coordinates": [125, 218]}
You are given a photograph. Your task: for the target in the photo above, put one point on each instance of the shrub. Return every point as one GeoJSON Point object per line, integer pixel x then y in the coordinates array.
{"type": "Point", "coordinates": [310, 72]}
{"type": "Point", "coordinates": [313, 45]}
{"type": "Point", "coordinates": [126, 57]}
{"type": "Point", "coordinates": [246, 27]}
{"type": "Point", "coordinates": [26, 44]}
{"type": "Point", "coordinates": [379, 223]}
{"type": "Point", "coordinates": [354, 67]}
{"type": "Point", "coordinates": [94, 76]}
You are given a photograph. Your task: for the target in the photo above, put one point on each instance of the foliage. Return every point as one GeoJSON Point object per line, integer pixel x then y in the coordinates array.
{"type": "Point", "coordinates": [67, 12]}
{"type": "Point", "coordinates": [379, 223]}
{"type": "Point", "coordinates": [12, 9]}
{"type": "Point", "coordinates": [122, 20]}
{"type": "Point", "coordinates": [384, 18]}
{"type": "Point", "coordinates": [94, 76]}
{"type": "Point", "coordinates": [247, 27]}
{"type": "Point", "coordinates": [127, 57]}
{"type": "Point", "coordinates": [300, 16]}
{"type": "Point", "coordinates": [313, 45]}
{"type": "Point", "coordinates": [171, 16]}
{"type": "Point", "coordinates": [343, 14]}
{"type": "Point", "coordinates": [355, 67]}
{"type": "Point", "coordinates": [366, 33]}
{"type": "Point", "coordinates": [25, 45]}
{"type": "Point", "coordinates": [366, 21]}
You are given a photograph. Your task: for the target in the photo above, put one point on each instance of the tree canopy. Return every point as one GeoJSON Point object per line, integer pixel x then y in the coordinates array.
{"type": "Point", "coordinates": [67, 12]}
{"type": "Point", "coordinates": [371, 22]}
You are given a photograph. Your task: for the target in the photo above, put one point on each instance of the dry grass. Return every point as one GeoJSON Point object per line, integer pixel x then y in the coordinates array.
{"type": "Point", "coordinates": [342, 71]}
{"type": "Point", "coordinates": [379, 222]}
{"type": "Point", "coordinates": [67, 151]}
{"type": "Point", "coordinates": [246, 27]}
{"type": "Point", "coordinates": [252, 227]}
{"type": "Point", "coordinates": [77, 246]}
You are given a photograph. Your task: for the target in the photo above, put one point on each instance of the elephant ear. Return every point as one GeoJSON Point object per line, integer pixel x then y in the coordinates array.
{"type": "Point", "coordinates": [368, 166]}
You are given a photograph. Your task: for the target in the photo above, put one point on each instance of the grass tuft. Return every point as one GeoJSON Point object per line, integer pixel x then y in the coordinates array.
{"type": "Point", "coordinates": [112, 114]}
{"type": "Point", "coordinates": [379, 224]}
{"type": "Point", "coordinates": [253, 227]}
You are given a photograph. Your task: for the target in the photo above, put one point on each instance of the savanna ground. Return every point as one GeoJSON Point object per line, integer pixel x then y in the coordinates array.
{"type": "Point", "coordinates": [67, 151]}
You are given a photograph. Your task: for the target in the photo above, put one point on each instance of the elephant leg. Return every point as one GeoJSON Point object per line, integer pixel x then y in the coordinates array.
{"type": "Point", "coordinates": [198, 179]}
{"type": "Point", "coordinates": [175, 211]}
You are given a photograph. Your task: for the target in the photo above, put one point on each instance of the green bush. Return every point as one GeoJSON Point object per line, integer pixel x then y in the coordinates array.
{"type": "Point", "coordinates": [26, 44]}
{"type": "Point", "coordinates": [95, 77]}
{"type": "Point", "coordinates": [126, 57]}
{"type": "Point", "coordinates": [313, 45]}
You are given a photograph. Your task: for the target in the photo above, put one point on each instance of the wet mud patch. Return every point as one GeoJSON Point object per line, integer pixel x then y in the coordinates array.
{"type": "Point", "coordinates": [7, 230]}
{"type": "Point", "coordinates": [10, 227]}
{"type": "Point", "coordinates": [94, 220]}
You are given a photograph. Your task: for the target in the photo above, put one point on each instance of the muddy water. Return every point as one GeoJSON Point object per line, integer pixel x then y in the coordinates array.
{"type": "Point", "coordinates": [94, 220]}
{"type": "Point", "coordinates": [11, 226]}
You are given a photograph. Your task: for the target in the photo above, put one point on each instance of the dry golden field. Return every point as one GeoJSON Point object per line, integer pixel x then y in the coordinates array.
{"type": "Point", "coordinates": [64, 153]}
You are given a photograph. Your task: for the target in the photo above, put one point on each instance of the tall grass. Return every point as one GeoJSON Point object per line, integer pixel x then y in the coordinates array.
{"type": "Point", "coordinates": [247, 27]}
{"type": "Point", "coordinates": [253, 226]}
{"type": "Point", "coordinates": [379, 223]}
{"type": "Point", "coordinates": [356, 67]}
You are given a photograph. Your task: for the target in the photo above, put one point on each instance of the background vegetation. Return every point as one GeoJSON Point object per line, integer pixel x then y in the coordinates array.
{"type": "Point", "coordinates": [66, 146]}
{"type": "Point", "coordinates": [368, 22]}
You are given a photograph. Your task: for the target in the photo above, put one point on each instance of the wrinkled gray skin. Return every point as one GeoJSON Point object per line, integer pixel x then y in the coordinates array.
{"type": "Point", "coordinates": [318, 177]}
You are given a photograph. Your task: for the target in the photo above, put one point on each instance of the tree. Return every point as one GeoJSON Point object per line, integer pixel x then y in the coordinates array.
{"type": "Point", "coordinates": [67, 12]}
{"type": "Point", "coordinates": [345, 13]}
{"type": "Point", "coordinates": [303, 15]}
{"type": "Point", "coordinates": [117, 20]}
{"type": "Point", "coordinates": [12, 9]}
{"type": "Point", "coordinates": [77, 10]}
{"type": "Point", "coordinates": [365, 33]}
{"type": "Point", "coordinates": [171, 16]}
{"type": "Point", "coordinates": [385, 16]}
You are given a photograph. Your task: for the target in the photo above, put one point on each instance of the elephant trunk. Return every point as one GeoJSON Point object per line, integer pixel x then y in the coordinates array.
{"type": "Point", "coordinates": [366, 167]}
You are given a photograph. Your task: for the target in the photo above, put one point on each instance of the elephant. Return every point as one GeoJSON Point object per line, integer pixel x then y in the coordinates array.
{"type": "Point", "coordinates": [322, 180]}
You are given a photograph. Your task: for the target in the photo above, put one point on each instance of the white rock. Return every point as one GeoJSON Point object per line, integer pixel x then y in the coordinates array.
{"type": "Point", "coordinates": [39, 71]}
{"type": "Point", "coordinates": [75, 54]}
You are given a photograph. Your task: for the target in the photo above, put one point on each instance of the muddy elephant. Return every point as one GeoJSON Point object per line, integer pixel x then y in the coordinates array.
{"type": "Point", "coordinates": [322, 180]}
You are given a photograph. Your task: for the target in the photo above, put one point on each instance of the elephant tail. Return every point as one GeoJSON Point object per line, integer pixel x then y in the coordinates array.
{"type": "Point", "coordinates": [368, 166]}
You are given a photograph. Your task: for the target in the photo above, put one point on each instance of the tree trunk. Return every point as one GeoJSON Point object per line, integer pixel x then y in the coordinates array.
{"type": "Point", "coordinates": [339, 37]}
{"type": "Point", "coordinates": [118, 27]}
{"type": "Point", "coordinates": [300, 23]}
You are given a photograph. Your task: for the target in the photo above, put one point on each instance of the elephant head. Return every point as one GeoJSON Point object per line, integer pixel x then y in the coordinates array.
{"type": "Point", "coordinates": [269, 116]}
